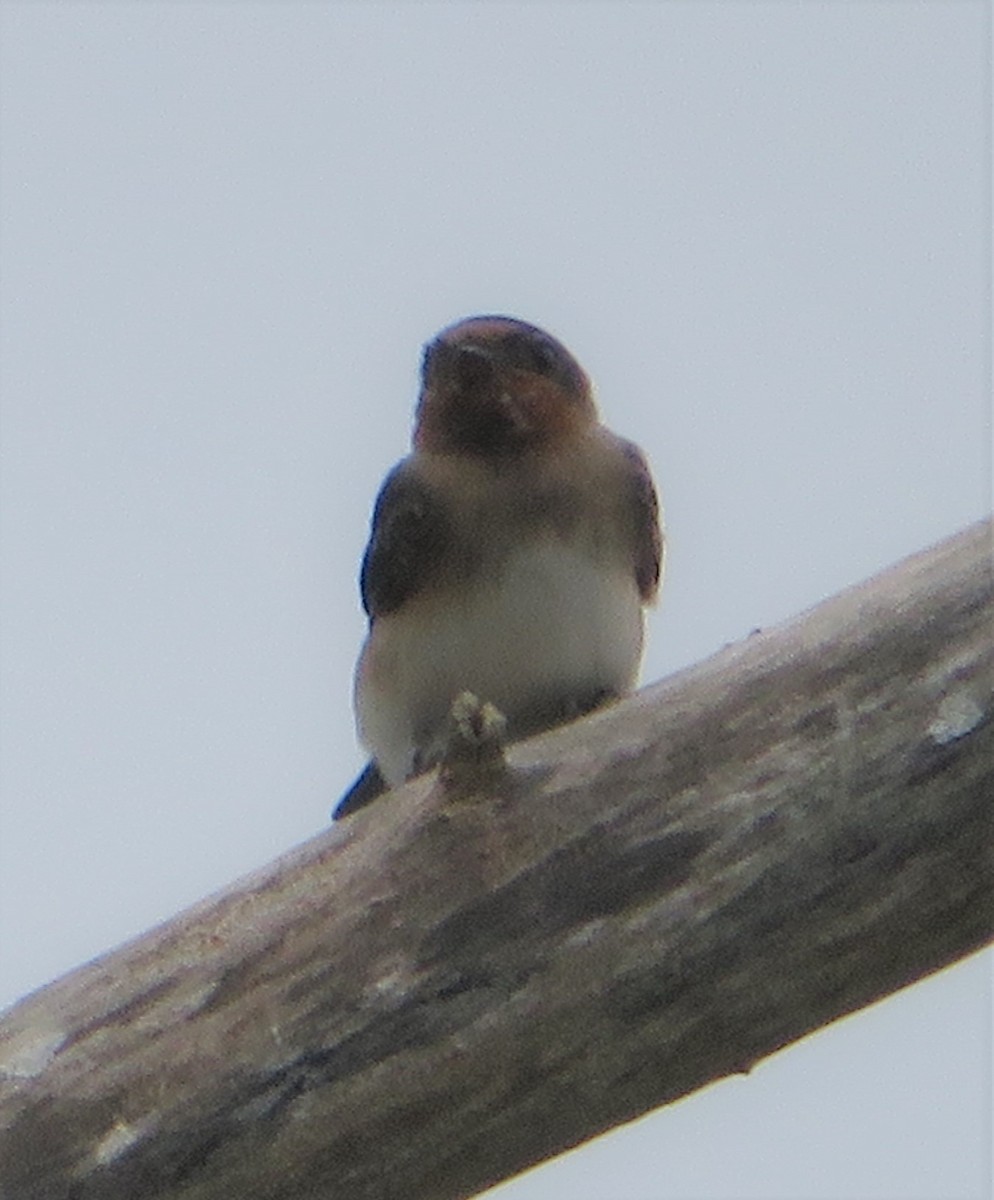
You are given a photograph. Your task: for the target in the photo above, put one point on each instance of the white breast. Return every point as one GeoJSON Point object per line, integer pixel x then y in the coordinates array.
{"type": "Point", "coordinates": [553, 622]}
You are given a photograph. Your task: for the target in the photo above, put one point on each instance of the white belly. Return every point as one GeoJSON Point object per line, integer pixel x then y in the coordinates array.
{"type": "Point", "coordinates": [552, 624]}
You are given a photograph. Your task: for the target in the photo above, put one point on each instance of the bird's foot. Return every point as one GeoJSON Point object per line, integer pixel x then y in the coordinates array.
{"type": "Point", "coordinates": [472, 755]}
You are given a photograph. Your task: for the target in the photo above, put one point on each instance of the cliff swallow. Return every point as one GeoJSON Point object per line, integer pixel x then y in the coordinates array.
{"type": "Point", "coordinates": [511, 553]}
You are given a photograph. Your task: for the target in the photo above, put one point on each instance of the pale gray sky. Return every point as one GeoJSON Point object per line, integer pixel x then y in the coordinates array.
{"type": "Point", "coordinates": [226, 231]}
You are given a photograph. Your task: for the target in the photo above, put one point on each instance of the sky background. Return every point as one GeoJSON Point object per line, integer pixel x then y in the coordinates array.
{"type": "Point", "coordinates": [227, 229]}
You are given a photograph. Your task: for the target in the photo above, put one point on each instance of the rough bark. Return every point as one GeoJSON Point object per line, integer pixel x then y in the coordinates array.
{"type": "Point", "coordinates": [447, 988]}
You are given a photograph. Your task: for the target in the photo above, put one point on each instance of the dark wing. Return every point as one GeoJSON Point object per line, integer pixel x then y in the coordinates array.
{"type": "Point", "coordinates": [409, 541]}
{"type": "Point", "coordinates": [646, 528]}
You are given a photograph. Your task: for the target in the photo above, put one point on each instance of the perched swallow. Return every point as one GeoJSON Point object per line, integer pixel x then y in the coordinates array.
{"type": "Point", "coordinates": [511, 554]}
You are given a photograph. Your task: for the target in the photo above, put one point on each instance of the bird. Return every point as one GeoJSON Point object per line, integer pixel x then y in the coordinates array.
{"type": "Point", "coordinates": [512, 553]}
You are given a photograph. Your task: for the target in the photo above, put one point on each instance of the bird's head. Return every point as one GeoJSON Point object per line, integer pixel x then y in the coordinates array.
{"type": "Point", "coordinates": [494, 386]}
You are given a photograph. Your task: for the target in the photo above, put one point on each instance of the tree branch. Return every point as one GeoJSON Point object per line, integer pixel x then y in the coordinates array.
{"type": "Point", "coordinates": [447, 988]}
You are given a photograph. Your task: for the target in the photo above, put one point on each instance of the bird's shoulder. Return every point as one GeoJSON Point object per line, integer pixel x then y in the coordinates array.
{"type": "Point", "coordinates": [625, 474]}
{"type": "Point", "coordinates": [411, 533]}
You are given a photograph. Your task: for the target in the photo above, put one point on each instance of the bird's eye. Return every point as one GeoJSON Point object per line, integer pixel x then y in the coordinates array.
{"type": "Point", "coordinates": [531, 353]}
{"type": "Point", "coordinates": [547, 361]}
